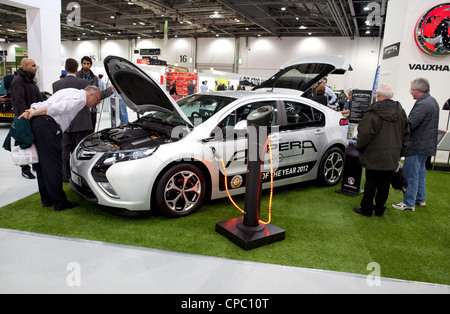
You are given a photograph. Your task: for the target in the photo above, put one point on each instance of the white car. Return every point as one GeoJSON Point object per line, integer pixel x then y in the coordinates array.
{"type": "Point", "coordinates": [171, 157]}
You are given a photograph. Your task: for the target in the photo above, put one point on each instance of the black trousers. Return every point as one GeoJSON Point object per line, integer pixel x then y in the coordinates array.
{"type": "Point", "coordinates": [376, 187]}
{"type": "Point", "coordinates": [48, 141]}
{"type": "Point", "coordinates": [70, 142]}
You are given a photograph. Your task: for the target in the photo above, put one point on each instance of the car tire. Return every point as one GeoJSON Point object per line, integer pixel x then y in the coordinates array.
{"type": "Point", "coordinates": [331, 167]}
{"type": "Point", "coordinates": [181, 190]}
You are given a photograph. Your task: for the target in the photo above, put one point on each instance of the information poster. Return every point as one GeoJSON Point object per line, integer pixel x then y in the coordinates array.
{"type": "Point", "coordinates": [361, 100]}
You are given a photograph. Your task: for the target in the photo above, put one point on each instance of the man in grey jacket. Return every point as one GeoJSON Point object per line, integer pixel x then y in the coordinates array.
{"type": "Point", "coordinates": [423, 123]}
{"type": "Point", "coordinates": [383, 136]}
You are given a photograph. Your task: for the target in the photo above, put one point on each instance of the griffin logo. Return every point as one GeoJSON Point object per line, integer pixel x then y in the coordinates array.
{"type": "Point", "coordinates": [432, 31]}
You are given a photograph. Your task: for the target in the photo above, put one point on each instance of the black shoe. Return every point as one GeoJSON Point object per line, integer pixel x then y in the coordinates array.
{"type": "Point", "coordinates": [47, 204]}
{"type": "Point", "coordinates": [380, 212]}
{"type": "Point", "coordinates": [67, 205]}
{"type": "Point", "coordinates": [27, 174]}
{"type": "Point", "coordinates": [362, 212]}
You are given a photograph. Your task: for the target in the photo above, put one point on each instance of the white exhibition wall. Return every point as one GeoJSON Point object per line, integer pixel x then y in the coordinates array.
{"type": "Point", "coordinates": [260, 57]}
{"type": "Point", "coordinates": [401, 70]}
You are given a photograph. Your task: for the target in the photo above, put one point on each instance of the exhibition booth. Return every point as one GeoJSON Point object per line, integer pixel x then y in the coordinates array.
{"type": "Point", "coordinates": [312, 226]}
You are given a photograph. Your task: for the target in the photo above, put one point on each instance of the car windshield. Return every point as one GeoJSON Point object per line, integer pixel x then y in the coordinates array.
{"type": "Point", "coordinates": [298, 77]}
{"type": "Point", "coordinates": [198, 108]}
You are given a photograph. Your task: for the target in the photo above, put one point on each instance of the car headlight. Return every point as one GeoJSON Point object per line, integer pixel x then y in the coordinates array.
{"type": "Point", "coordinates": [99, 170]}
{"type": "Point", "coordinates": [112, 158]}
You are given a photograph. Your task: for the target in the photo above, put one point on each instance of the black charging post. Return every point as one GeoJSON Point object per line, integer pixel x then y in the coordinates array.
{"type": "Point", "coordinates": [247, 231]}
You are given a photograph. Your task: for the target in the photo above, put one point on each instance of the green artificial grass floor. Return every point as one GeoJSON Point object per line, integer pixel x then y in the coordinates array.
{"type": "Point", "coordinates": [322, 231]}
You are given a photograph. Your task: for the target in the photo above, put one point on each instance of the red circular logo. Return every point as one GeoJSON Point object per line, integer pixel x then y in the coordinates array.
{"type": "Point", "coordinates": [433, 31]}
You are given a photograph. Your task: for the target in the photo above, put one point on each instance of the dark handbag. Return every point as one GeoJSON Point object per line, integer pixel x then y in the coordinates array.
{"type": "Point", "coordinates": [398, 180]}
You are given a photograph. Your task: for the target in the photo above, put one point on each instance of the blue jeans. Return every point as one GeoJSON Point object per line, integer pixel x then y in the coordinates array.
{"type": "Point", "coordinates": [415, 171]}
{"type": "Point", "coordinates": [123, 114]}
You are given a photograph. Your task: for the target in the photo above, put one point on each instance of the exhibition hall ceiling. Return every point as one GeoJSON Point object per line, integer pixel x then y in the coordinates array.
{"type": "Point", "coordinates": [134, 19]}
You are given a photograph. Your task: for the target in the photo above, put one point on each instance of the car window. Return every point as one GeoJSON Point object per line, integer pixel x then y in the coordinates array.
{"type": "Point", "coordinates": [301, 115]}
{"type": "Point", "coordinates": [199, 108]}
{"type": "Point", "coordinates": [242, 112]}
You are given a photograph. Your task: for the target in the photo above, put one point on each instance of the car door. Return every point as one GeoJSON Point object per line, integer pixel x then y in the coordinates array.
{"type": "Point", "coordinates": [301, 141]}
{"type": "Point", "coordinates": [231, 145]}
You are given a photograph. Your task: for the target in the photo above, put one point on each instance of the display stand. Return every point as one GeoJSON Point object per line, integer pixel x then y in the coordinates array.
{"type": "Point", "coordinates": [352, 178]}
{"type": "Point", "coordinates": [248, 232]}
{"type": "Point", "coordinates": [182, 80]}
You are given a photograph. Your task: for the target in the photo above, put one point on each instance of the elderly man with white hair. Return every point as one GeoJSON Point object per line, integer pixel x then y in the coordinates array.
{"type": "Point", "coordinates": [383, 137]}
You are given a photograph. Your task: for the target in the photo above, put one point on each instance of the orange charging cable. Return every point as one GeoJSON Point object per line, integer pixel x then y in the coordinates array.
{"type": "Point", "coordinates": [271, 186]}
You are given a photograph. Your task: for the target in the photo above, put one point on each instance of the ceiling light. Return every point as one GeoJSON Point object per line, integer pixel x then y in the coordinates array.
{"type": "Point", "coordinates": [367, 32]}
{"type": "Point", "coordinates": [303, 27]}
{"type": "Point", "coordinates": [283, 9]}
{"type": "Point", "coordinates": [113, 17]}
{"type": "Point", "coordinates": [309, 33]}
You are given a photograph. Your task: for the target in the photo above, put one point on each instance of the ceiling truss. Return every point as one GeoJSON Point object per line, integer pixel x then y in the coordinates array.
{"type": "Point", "coordinates": [134, 19]}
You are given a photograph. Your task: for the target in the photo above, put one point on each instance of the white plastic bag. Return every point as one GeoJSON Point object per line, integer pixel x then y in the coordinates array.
{"type": "Point", "coordinates": [22, 157]}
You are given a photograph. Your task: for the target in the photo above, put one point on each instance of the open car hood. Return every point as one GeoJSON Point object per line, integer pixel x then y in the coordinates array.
{"type": "Point", "coordinates": [302, 73]}
{"type": "Point", "coordinates": [140, 91]}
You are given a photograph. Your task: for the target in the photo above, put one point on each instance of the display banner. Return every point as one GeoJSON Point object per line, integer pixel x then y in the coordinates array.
{"type": "Point", "coordinates": [361, 100]}
{"type": "Point", "coordinates": [391, 51]}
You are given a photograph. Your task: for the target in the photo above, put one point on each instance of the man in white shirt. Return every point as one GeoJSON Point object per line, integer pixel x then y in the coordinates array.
{"type": "Point", "coordinates": [204, 87]}
{"type": "Point", "coordinates": [49, 119]}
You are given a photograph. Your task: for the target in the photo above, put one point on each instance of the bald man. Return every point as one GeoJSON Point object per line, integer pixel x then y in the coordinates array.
{"type": "Point", "coordinates": [25, 92]}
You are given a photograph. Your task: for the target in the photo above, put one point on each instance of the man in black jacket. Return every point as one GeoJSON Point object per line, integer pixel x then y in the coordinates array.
{"type": "Point", "coordinates": [383, 136]}
{"type": "Point", "coordinates": [81, 126]}
{"type": "Point", "coordinates": [25, 92]}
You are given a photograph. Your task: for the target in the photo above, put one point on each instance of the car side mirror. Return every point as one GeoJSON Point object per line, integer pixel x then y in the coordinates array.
{"type": "Point", "coordinates": [241, 126]}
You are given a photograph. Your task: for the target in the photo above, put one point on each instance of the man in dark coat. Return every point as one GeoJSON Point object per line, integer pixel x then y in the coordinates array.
{"type": "Point", "coordinates": [25, 92]}
{"type": "Point", "coordinates": [81, 126]}
{"type": "Point", "coordinates": [383, 136]}
{"type": "Point", "coordinates": [423, 123]}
